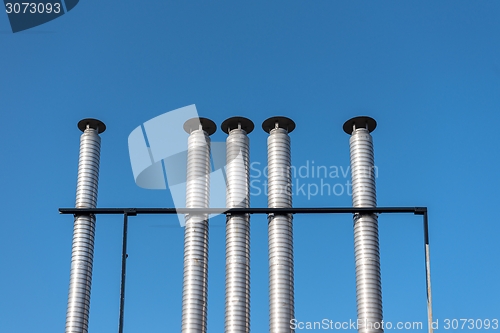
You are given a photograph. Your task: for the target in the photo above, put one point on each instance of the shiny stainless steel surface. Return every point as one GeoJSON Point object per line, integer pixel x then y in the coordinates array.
{"type": "Point", "coordinates": [237, 314]}
{"type": "Point", "coordinates": [194, 293]}
{"type": "Point", "coordinates": [366, 241]}
{"type": "Point", "coordinates": [280, 232]}
{"type": "Point", "coordinates": [77, 314]}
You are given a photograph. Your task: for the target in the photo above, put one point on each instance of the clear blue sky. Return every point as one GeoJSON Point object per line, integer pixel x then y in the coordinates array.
{"type": "Point", "coordinates": [428, 72]}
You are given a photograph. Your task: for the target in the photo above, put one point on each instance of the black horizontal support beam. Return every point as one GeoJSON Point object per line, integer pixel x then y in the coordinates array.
{"type": "Point", "coordinates": [305, 210]}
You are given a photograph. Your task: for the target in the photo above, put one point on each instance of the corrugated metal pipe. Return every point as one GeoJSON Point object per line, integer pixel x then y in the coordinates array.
{"type": "Point", "coordinates": [82, 254]}
{"type": "Point", "coordinates": [237, 316]}
{"type": "Point", "coordinates": [280, 228]}
{"type": "Point", "coordinates": [195, 285]}
{"type": "Point", "coordinates": [366, 242]}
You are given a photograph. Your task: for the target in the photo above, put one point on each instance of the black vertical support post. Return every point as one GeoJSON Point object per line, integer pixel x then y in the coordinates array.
{"type": "Point", "coordinates": [124, 268]}
{"type": "Point", "coordinates": [428, 271]}
{"type": "Point", "coordinates": [426, 228]}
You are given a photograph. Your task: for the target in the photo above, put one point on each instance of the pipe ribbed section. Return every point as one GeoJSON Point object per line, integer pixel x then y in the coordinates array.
{"type": "Point", "coordinates": [194, 293]}
{"type": "Point", "coordinates": [366, 244]}
{"type": "Point", "coordinates": [280, 232]}
{"type": "Point", "coordinates": [82, 254]}
{"type": "Point", "coordinates": [237, 234]}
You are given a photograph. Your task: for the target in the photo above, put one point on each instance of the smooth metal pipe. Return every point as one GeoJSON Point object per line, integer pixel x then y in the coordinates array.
{"type": "Point", "coordinates": [195, 285]}
{"type": "Point", "coordinates": [280, 227]}
{"type": "Point", "coordinates": [237, 314]}
{"type": "Point", "coordinates": [82, 255]}
{"type": "Point", "coordinates": [366, 240]}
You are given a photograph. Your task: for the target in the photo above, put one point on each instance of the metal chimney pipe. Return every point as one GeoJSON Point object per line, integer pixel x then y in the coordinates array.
{"type": "Point", "coordinates": [366, 243]}
{"type": "Point", "coordinates": [237, 226]}
{"type": "Point", "coordinates": [82, 254]}
{"type": "Point", "coordinates": [195, 286]}
{"type": "Point", "coordinates": [280, 228]}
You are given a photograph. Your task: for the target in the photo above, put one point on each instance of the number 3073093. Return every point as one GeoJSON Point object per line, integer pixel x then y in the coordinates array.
{"type": "Point", "coordinates": [32, 7]}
